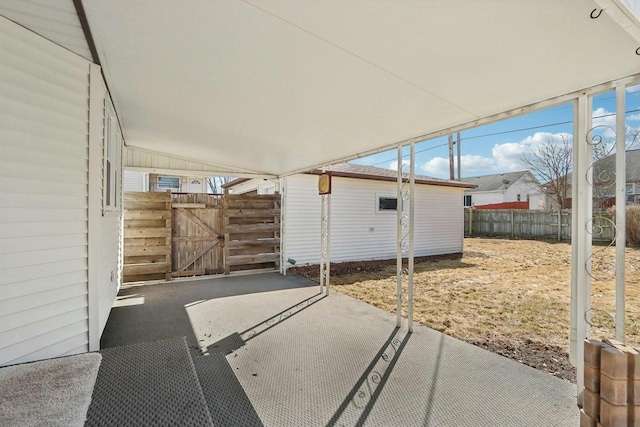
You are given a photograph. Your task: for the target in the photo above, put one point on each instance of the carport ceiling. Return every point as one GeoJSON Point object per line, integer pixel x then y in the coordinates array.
{"type": "Point", "coordinates": [279, 85]}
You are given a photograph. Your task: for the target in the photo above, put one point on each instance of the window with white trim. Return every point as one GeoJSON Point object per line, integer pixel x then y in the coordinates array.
{"type": "Point", "coordinates": [387, 203]}
{"type": "Point", "coordinates": [467, 200]}
{"type": "Point", "coordinates": [111, 172]}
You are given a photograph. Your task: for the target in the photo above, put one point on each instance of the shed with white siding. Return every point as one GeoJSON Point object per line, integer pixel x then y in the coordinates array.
{"type": "Point", "coordinates": [363, 216]}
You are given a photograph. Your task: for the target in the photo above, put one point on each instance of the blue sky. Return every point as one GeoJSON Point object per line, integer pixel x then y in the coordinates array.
{"type": "Point", "coordinates": [498, 147]}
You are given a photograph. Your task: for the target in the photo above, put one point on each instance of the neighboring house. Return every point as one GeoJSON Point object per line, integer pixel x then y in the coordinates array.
{"type": "Point", "coordinates": [603, 177]}
{"type": "Point", "coordinates": [363, 214]}
{"type": "Point", "coordinates": [140, 181]}
{"type": "Point", "coordinates": [504, 188]}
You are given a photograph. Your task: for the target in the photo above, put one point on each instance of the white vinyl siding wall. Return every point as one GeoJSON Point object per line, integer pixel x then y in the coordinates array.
{"type": "Point", "coordinates": [439, 216]}
{"type": "Point", "coordinates": [486, 197]}
{"type": "Point", "coordinates": [134, 181]}
{"type": "Point", "coordinates": [43, 197]}
{"type": "Point", "coordinates": [47, 282]}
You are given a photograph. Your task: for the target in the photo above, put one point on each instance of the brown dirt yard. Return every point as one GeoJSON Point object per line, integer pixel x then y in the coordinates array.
{"type": "Point", "coordinates": [508, 296]}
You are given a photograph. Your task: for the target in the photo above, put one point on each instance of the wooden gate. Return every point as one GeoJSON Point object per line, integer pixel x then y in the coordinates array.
{"type": "Point", "coordinates": [178, 235]}
{"type": "Point", "coordinates": [197, 235]}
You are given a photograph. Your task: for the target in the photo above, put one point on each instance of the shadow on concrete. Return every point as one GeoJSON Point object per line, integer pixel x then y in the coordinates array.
{"type": "Point", "coordinates": [232, 342]}
{"type": "Point", "coordinates": [357, 405]}
{"type": "Point", "coordinates": [162, 315]}
{"type": "Point", "coordinates": [434, 383]}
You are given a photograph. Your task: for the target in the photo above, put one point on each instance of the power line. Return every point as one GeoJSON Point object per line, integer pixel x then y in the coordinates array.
{"type": "Point", "coordinates": [506, 132]}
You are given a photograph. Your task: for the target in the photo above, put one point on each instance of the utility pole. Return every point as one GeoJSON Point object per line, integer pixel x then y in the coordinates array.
{"type": "Point", "coordinates": [458, 142]}
{"type": "Point", "coordinates": [451, 174]}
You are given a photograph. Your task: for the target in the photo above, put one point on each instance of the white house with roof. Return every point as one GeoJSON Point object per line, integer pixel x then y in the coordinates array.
{"type": "Point", "coordinates": [363, 210]}
{"type": "Point", "coordinates": [501, 188]}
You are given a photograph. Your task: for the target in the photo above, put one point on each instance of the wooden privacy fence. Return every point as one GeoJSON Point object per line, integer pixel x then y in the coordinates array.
{"type": "Point", "coordinates": [147, 236]}
{"type": "Point", "coordinates": [252, 232]}
{"type": "Point", "coordinates": [176, 235]}
{"type": "Point", "coordinates": [548, 225]}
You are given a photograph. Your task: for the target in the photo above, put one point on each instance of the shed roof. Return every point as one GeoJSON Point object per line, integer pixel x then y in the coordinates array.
{"type": "Point", "coordinates": [349, 170]}
{"type": "Point", "coordinates": [495, 182]}
{"type": "Point", "coordinates": [282, 86]}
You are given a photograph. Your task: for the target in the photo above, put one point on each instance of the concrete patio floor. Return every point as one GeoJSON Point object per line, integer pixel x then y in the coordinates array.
{"type": "Point", "coordinates": [305, 359]}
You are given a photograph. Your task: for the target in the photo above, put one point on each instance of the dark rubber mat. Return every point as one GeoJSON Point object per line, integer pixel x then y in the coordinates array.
{"type": "Point", "coordinates": [148, 384]}
{"type": "Point", "coordinates": [228, 403]}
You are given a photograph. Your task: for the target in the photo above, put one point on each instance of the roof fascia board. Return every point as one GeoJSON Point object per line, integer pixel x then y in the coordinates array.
{"type": "Point", "coordinates": [392, 179]}
{"type": "Point", "coordinates": [233, 171]}
{"type": "Point", "coordinates": [187, 172]}
{"type": "Point", "coordinates": [620, 13]}
{"type": "Point", "coordinates": [551, 102]}
{"type": "Point", "coordinates": [84, 24]}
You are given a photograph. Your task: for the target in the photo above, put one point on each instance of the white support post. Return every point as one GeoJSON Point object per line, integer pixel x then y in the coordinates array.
{"type": "Point", "coordinates": [283, 218]}
{"type": "Point", "coordinates": [399, 241]}
{"type": "Point", "coordinates": [573, 331]}
{"type": "Point", "coordinates": [587, 160]}
{"type": "Point", "coordinates": [328, 243]}
{"type": "Point", "coordinates": [412, 198]}
{"type": "Point", "coordinates": [322, 237]}
{"type": "Point", "coordinates": [621, 208]}
{"type": "Point", "coordinates": [582, 207]}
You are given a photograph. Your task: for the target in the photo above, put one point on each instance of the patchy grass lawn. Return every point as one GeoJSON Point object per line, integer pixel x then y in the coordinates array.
{"type": "Point", "coordinates": [509, 296]}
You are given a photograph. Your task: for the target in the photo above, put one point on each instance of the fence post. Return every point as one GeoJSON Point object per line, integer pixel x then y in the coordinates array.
{"type": "Point", "coordinates": [513, 224]}
{"type": "Point", "coordinates": [559, 225]}
{"type": "Point", "coordinates": [470, 221]}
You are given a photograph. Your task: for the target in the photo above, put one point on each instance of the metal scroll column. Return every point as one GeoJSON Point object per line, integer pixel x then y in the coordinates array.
{"type": "Point", "coordinates": [412, 196]}
{"type": "Point", "coordinates": [621, 174]}
{"type": "Point", "coordinates": [325, 242]}
{"type": "Point", "coordinates": [399, 242]}
{"type": "Point", "coordinates": [405, 222]}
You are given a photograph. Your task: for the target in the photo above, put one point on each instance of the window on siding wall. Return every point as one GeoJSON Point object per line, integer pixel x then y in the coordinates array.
{"type": "Point", "coordinates": [387, 203]}
{"type": "Point", "coordinates": [518, 197]}
{"type": "Point", "coordinates": [169, 182]}
{"type": "Point", "coordinates": [467, 200]}
{"type": "Point", "coordinates": [112, 153]}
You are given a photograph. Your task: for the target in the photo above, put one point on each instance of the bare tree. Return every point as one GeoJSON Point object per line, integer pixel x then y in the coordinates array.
{"type": "Point", "coordinates": [215, 183]}
{"type": "Point", "coordinates": [552, 162]}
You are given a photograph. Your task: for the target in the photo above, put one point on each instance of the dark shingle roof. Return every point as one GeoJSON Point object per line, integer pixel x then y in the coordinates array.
{"type": "Point", "coordinates": [495, 182]}
{"type": "Point", "coordinates": [609, 164]}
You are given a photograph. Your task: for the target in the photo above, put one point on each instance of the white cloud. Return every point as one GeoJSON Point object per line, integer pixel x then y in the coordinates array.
{"type": "Point", "coordinates": [504, 157]}
{"type": "Point", "coordinates": [394, 165]}
{"type": "Point", "coordinates": [604, 126]}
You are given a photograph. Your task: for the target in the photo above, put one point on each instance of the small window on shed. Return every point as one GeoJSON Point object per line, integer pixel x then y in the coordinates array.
{"type": "Point", "coordinates": [387, 203]}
